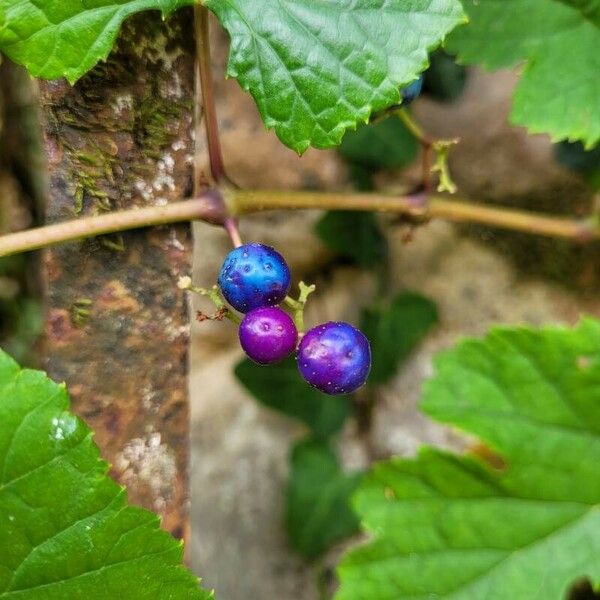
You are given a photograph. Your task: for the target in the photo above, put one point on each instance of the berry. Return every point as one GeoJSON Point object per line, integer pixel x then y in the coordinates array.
{"type": "Point", "coordinates": [254, 275]}
{"type": "Point", "coordinates": [412, 91]}
{"type": "Point", "coordinates": [335, 358]}
{"type": "Point", "coordinates": [268, 335]}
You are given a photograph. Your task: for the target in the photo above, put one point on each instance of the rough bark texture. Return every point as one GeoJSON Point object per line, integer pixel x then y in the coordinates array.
{"type": "Point", "coordinates": [117, 325]}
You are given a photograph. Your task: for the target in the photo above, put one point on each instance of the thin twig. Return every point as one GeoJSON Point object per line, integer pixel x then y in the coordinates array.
{"type": "Point", "coordinates": [231, 227]}
{"type": "Point", "coordinates": [210, 208]}
{"type": "Point", "coordinates": [214, 295]}
{"type": "Point", "coordinates": [412, 125]}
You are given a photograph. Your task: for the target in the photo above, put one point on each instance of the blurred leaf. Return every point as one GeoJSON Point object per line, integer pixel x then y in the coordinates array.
{"type": "Point", "coordinates": [555, 45]}
{"type": "Point", "coordinates": [20, 315]}
{"type": "Point", "coordinates": [12, 265]}
{"type": "Point", "coordinates": [450, 526]}
{"type": "Point", "coordinates": [593, 180]}
{"type": "Point", "coordinates": [387, 144]}
{"type": "Point", "coordinates": [574, 156]}
{"type": "Point", "coordinates": [361, 177]}
{"type": "Point", "coordinates": [395, 330]}
{"type": "Point", "coordinates": [27, 326]}
{"type": "Point", "coordinates": [317, 503]}
{"type": "Point", "coordinates": [353, 235]}
{"type": "Point", "coordinates": [444, 79]}
{"type": "Point", "coordinates": [281, 388]}
{"type": "Point", "coordinates": [66, 530]}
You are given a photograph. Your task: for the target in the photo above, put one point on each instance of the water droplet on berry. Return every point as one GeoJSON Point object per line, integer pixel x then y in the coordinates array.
{"type": "Point", "coordinates": [247, 269]}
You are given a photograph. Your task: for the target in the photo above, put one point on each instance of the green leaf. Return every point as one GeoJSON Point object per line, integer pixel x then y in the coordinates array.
{"type": "Point", "coordinates": [448, 526]}
{"type": "Point", "coordinates": [318, 499]}
{"type": "Point", "coordinates": [558, 92]}
{"type": "Point", "coordinates": [353, 235]}
{"type": "Point", "coordinates": [66, 38]}
{"type": "Point", "coordinates": [66, 530]}
{"type": "Point", "coordinates": [394, 331]}
{"type": "Point", "coordinates": [319, 67]}
{"type": "Point", "coordinates": [590, 9]}
{"type": "Point", "coordinates": [384, 145]}
{"type": "Point", "coordinates": [281, 388]}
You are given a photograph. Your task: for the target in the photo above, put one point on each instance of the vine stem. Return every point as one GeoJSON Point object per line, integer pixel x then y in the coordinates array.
{"type": "Point", "coordinates": [425, 142]}
{"type": "Point", "coordinates": [214, 295]}
{"type": "Point", "coordinates": [420, 207]}
{"type": "Point", "coordinates": [205, 97]}
{"type": "Point", "coordinates": [210, 208]}
{"type": "Point", "coordinates": [204, 76]}
{"type": "Point", "coordinates": [414, 127]}
{"type": "Point", "coordinates": [297, 306]}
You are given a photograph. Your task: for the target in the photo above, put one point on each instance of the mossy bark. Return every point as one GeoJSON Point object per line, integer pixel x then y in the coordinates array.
{"type": "Point", "coordinates": [117, 325]}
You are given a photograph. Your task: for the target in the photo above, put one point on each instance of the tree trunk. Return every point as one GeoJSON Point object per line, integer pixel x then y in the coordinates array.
{"type": "Point", "coordinates": [117, 325]}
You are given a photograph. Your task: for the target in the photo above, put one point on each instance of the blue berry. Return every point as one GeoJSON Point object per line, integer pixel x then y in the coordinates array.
{"type": "Point", "coordinates": [268, 335]}
{"type": "Point", "coordinates": [412, 91]}
{"type": "Point", "coordinates": [335, 358]}
{"type": "Point", "coordinates": [254, 275]}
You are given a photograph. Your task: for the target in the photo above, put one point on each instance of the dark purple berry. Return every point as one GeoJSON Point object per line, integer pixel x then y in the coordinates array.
{"type": "Point", "coordinates": [254, 275]}
{"type": "Point", "coordinates": [268, 335]}
{"type": "Point", "coordinates": [335, 358]}
{"type": "Point", "coordinates": [412, 91]}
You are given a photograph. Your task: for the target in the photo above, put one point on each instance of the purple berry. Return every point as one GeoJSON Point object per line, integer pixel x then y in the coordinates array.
{"type": "Point", "coordinates": [268, 335]}
{"type": "Point", "coordinates": [254, 275]}
{"type": "Point", "coordinates": [335, 358]}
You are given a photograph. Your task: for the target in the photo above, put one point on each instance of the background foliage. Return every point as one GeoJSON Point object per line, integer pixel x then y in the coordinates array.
{"type": "Point", "coordinates": [453, 526]}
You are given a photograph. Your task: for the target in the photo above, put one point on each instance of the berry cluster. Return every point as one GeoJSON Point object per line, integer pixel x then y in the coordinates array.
{"type": "Point", "coordinates": [334, 357]}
